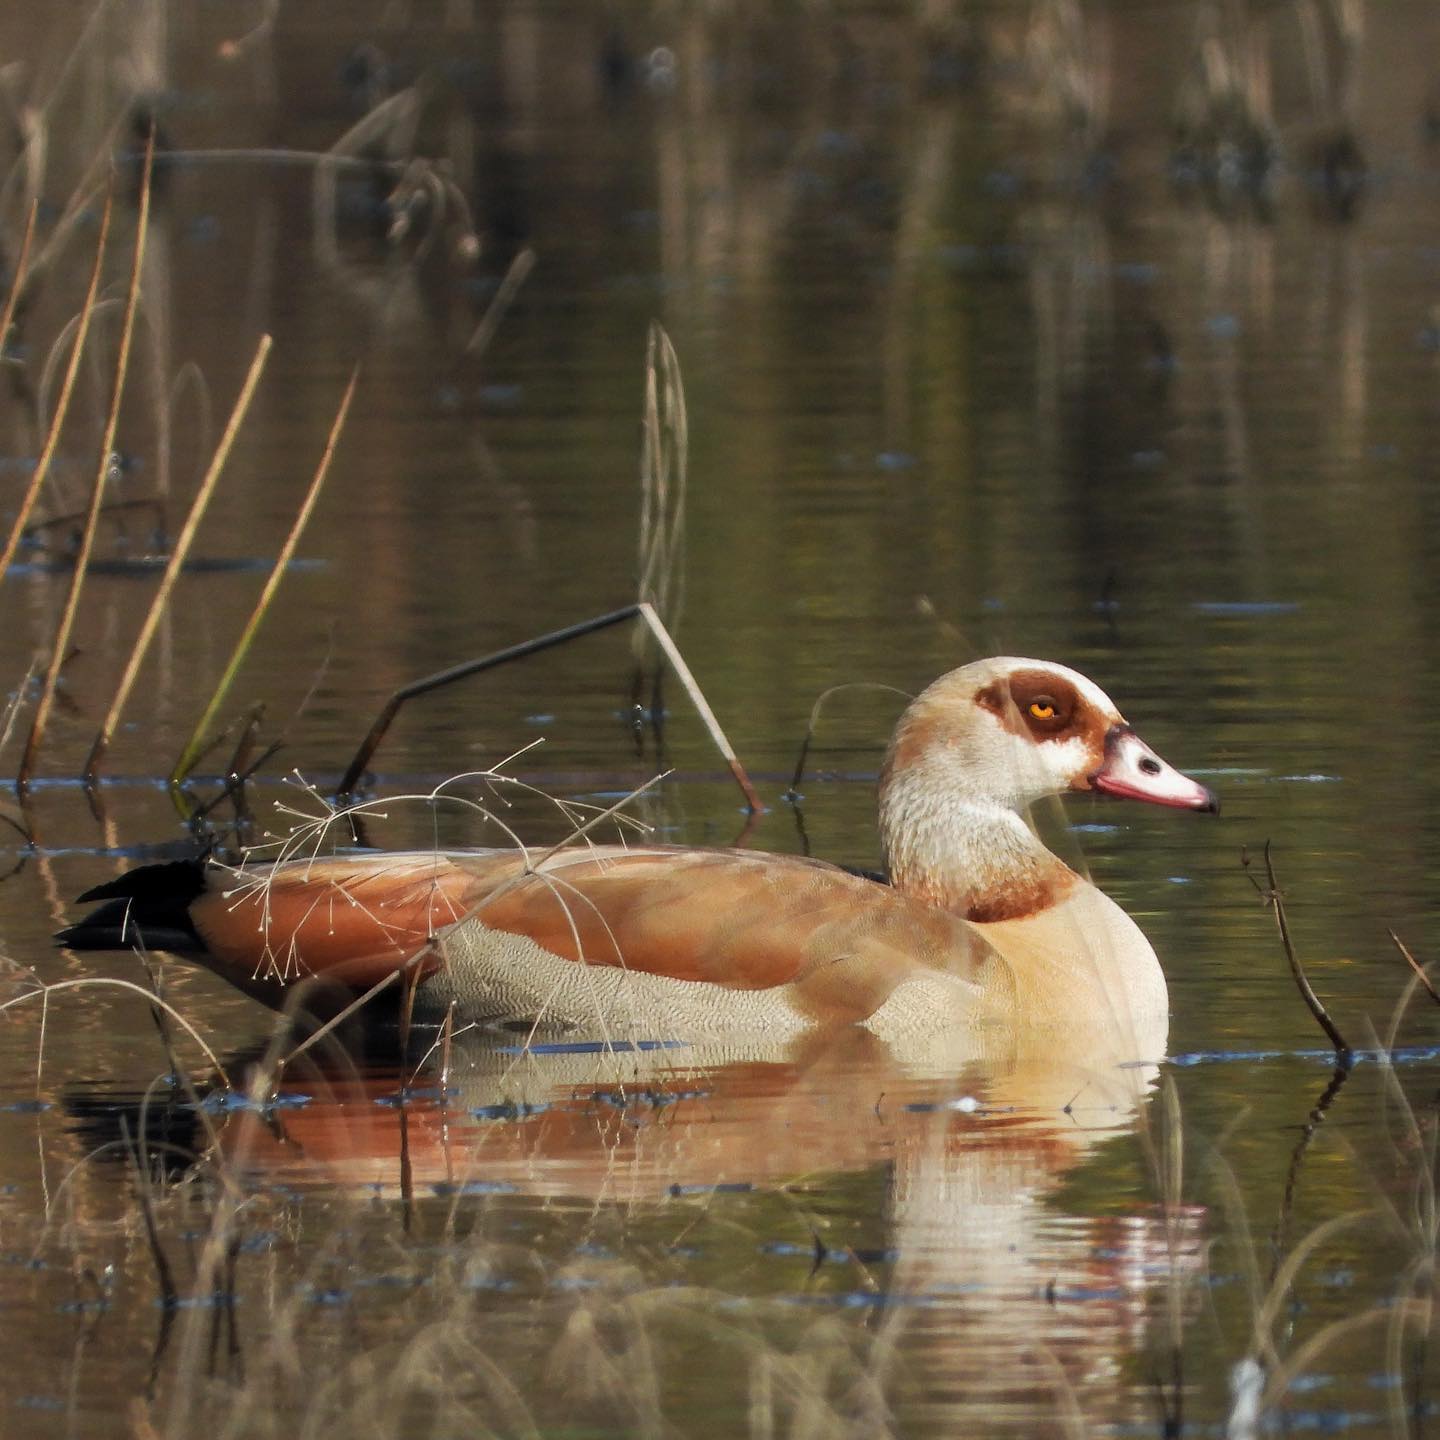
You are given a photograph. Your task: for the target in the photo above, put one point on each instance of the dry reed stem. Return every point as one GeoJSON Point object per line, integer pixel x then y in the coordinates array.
{"type": "Point", "coordinates": [697, 698]}
{"type": "Point", "coordinates": [515, 277]}
{"type": "Point", "coordinates": [1416, 966]}
{"type": "Point", "coordinates": [107, 445]}
{"type": "Point", "coordinates": [195, 744]}
{"type": "Point", "coordinates": [17, 284]}
{"type": "Point", "coordinates": [62, 406]}
{"type": "Point", "coordinates": [177, 559]}
{"type": "Point", "coordinates": [643, 609]}
{"type": "Point", "coordinates": [664, 481]}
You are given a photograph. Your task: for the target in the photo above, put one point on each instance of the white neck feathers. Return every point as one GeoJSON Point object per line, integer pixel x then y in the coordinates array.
{"type": "Point", "coordinates": [973, 856]}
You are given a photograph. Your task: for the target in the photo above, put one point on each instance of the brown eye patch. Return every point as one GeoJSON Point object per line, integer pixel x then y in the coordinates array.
{"type": "Point", "coordinates": [1037, 703]}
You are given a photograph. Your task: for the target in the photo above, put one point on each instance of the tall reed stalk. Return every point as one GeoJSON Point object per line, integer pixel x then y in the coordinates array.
{"type": "Point", "coordinates": [62, 405]}
{"type": "Point", "coordinates": [97, 495]}
{"type": "Point", "coordinates": [195, 746]}
{"type": "Point", "coordinates": [177, 559]}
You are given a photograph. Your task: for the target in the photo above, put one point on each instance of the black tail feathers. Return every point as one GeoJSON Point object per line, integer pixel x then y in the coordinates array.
{"type": "Point", "coordinates": [147, 909]}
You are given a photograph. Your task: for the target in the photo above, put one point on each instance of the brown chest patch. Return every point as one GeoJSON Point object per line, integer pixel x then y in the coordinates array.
{"type": "Point", "coordinates": [1026, 896]}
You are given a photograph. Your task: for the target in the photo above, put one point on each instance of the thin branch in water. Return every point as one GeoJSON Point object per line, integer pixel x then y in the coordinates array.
{"type": "Point", "coordinates": [195, 744]}
{"type": "Point", "coordinates": [177, 558]}
{"type": "Point", "coordinates": [102, 470]}
{"type": "Point", "coordinates": [110, 507]}
{"type": "Point", "coordinates": [235, 781]}
{"type": "Point", "coordinates": [504, 297]}
{"type": "Point", "coordinates": [169, 1291]}
{"type": "Point", "coordinates": [1274, 898]}
{"type": "Point", "coordinates": [378, 730]}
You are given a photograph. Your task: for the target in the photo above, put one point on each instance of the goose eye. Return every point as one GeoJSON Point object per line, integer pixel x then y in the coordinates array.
{"type": "Point", "coordinates": [1043, 708]}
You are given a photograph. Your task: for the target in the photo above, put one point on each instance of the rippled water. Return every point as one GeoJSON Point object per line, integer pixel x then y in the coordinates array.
{"type": "Point", "coordinates": [983, 352]}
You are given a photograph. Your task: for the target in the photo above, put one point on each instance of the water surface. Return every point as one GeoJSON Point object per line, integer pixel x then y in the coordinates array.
{"type": "Point", "coordinates": [983, 352]}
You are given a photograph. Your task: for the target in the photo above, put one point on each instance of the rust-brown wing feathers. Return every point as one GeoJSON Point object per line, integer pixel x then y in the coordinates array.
{"type": "Point", "coordinates": [349, 919]}
{"type": "Point", "coordinates": [734, 918]}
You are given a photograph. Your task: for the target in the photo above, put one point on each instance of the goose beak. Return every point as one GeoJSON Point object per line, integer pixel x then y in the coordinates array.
{"type": "Point", "coordinates": [1133, 771]}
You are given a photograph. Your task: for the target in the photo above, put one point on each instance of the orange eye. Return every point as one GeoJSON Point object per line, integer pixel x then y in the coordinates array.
{"type": "Point", "coordinates": [1043, 709]}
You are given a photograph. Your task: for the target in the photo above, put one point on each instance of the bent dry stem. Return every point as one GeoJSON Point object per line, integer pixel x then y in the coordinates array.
{"type": "Point", "coordinates": [642, 609]}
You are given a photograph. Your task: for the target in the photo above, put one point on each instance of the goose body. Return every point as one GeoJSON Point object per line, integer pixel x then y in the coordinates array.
{"type": "Point", "coordinates": [982, 930]}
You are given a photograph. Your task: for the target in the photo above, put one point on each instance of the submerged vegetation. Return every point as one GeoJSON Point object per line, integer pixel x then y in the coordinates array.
{"type": "Point", "coordinates": [1096, 327]}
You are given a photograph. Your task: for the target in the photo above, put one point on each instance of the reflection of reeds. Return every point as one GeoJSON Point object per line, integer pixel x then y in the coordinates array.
{"type": "Point", "coordinates": [1225, 133]}
{"type": "Point", "coordinates": [1069, 62]}
{"type": "Point", "coordinates": [664, 481]}
{"type": "Point", "coordinates": [62, 405]}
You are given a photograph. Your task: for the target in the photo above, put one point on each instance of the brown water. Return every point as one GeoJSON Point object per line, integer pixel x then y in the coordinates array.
{"type": "Point", "coordinates": [978, 358]}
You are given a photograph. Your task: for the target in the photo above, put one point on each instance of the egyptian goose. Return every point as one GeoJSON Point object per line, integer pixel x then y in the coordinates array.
{"type": "Point", "coordinates": [981, 926]}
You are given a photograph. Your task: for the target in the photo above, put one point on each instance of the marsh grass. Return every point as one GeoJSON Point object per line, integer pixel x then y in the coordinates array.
{"type": "Point", "coordinates": [476, 1331]}
{"type": "Point", "coordinates": [629, 1349]}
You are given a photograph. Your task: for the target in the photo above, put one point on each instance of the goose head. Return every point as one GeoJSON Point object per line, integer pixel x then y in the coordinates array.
{"type": "Point", "coordinates": [981, 744]}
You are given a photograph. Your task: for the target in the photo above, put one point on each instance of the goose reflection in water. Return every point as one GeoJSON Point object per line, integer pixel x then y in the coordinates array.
{"type": "Point", "coordinates": [978, 1266]}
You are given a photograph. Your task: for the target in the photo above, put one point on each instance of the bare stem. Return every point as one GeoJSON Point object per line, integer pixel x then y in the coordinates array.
{"type": "Point", "coordinates": [504, 297]}
{"type": "Point", "coordinates": [1416, 966]}
{"type": "Point", "coordinates": [97, 495]}
{"type": "Point", "coordinates": [195, 745]}
{"type": "Point", "coordinates": [62, 406]}
{"type": "Point", "coordinates": [177, 559]}
{"type": "Point", "coordinates": [643, 609]}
